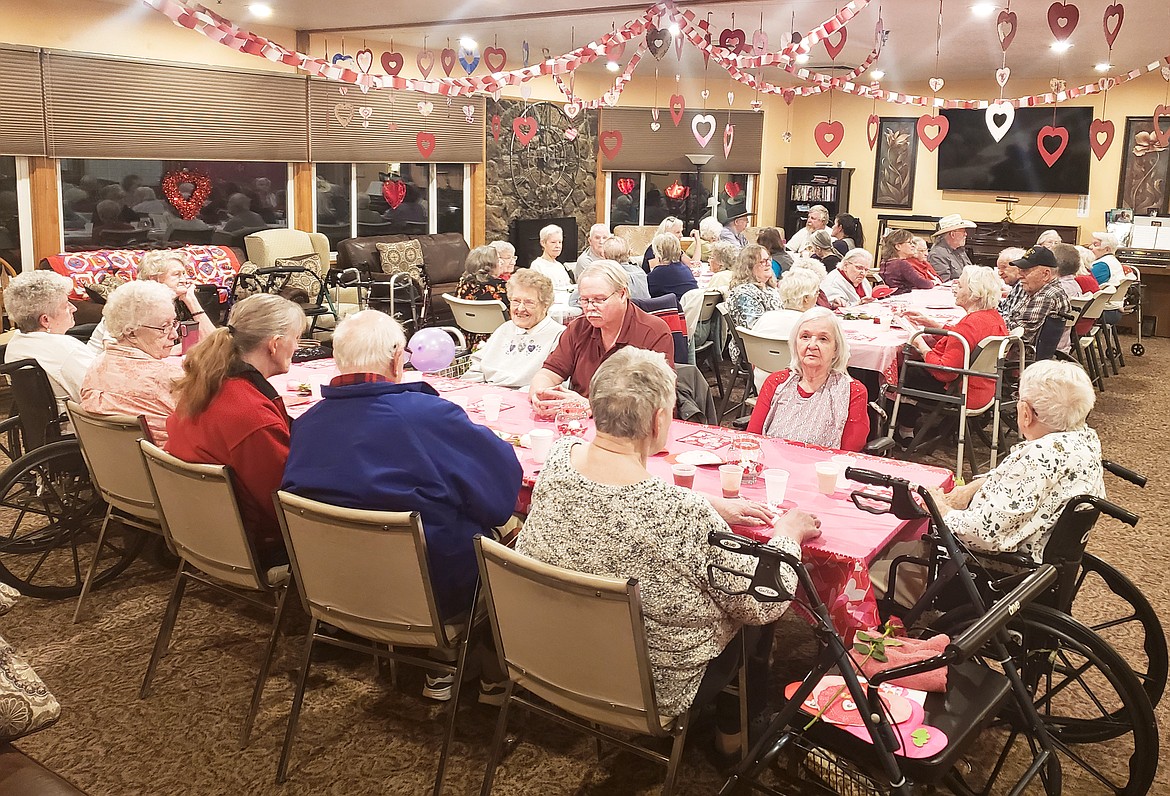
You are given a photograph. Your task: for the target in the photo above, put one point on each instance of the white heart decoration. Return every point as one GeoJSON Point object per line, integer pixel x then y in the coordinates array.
{"type": "Point", "coordinates": [495, 95]}
{"type": "Point", "coordinates": [1166, 72]}
{"type": "Point", "coordinates": [571, 134]}
{"type": "Point", "coordinates": [1002, 75]}
{"type": "Point", "coordinates": [730, 97]}
{"type": "Point", "coordinates": [703, 119]}
{"type": "Point", "coordinates": [1005, 109]}
{"type": "Point", "coordinates": [526, 91]}
{"type": "Point", "coordinates": [366, 111]}
{"type": "Point", "coordinates": [611, 98]}
{"type": "Point", "coordinates": [654, 114]}
{"type": "Point", "coordinates": [572, 109]}
{"type": "Point", "coordinates": [936, 83]}
{"type": "Point", "coordinates": [728, 137]}
{"type": "Point", "coordinates": [704, 93]}
{"type": "Point", "coordinates": [756, 105]}
{"type": "Point", "coordinates": [425, 108]}
{"type": "Point", "coordinates": [655, 126]}
{"type": "Point", "coordinates": [469, 112]}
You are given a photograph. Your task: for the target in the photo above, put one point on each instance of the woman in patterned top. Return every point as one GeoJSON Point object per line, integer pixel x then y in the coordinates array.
{"type": "Point", "coordinates": [596, 509]}
{"type": "Point", "coordinates": [484, 275]}
{"type": "Point", "coordinates": [753, 290]}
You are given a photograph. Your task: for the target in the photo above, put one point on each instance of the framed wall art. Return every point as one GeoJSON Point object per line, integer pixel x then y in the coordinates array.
{"type": "Point", "coordinates": [1145, 169]}
{"type": "Point", "coordinates": [897, 152]}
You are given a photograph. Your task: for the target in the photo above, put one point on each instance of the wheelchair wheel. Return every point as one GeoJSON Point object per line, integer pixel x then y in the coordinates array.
{"type": "Point", "coordinates": [1137, 349]}
{"type": "Point", "coordinates": [11, 444]}
{"type": "Point", "coordinates": [50, 516]}
{"type": "Point", "coordinates": [1116, 610]}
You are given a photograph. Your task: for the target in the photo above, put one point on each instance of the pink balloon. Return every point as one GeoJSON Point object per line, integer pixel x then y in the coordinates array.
{"type": "Point", "coordinates": [431, 350]}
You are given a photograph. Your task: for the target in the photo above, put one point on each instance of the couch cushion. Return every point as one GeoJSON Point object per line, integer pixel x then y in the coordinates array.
{"type": "Point", "coordinates": [443, 254]}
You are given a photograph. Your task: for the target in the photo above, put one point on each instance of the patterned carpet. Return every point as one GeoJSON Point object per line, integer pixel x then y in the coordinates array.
{"type": "Point", "coordinates": [358, 734]}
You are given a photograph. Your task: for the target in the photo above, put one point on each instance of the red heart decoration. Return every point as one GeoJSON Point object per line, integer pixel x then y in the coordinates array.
{"type": "Point", "coordinates": [1005, 26]}
{"type": "Point", "coordinates": [426, 143]}
{"type": "Point", "coordinates": [732, 189]}
{"type": "Point", "coordinates": [835, 49]}
{"type": "Point", "coordinates": [788, 95]}
{"type": "Point", "coordinates": [495, 58]}
{"type": "Point", "coordinates": [929, 141]}
{"type": "Point", "coordinates": [626, 185]}
{"type": "Point", "coordinates": [1046, 132]}
{"type": "Point", "coordinates": [677, 107]}
{"type": "Point", "coordinates": [871, 129]}
{"type": "Point", "coordinates": [189, 207]}
{"type": "Point", "coordinates": [524, 128]}
{"type": "Point", "coordinates": [614, 52]}
{"type": "Point", "coordinates": [425, 61]}
{"type": "Point", "coordinates": [1163, 135]}
{"type": "Point", "coordinates": [610, 142]}
{"type": "Point", "coordinates": [1062, 21]}
{"type": "Point", "coordinates": [1096, 129]}
{"type": "Point", "coordinates": [447, 60]}
{"type": "Point", "coordinates": [676, 191]}
{"type": "Point", "coordinates": [394, 191]}
{"type": "Point", "coordinates": [828, 136]}
{"type": "Point", "coordinates": [364, 58]}
{"type": "Point", "coordinates": [734, 41]}
{"type": "Point", "coordinates": [392, 63]}
{"type": "Point", "coordinates": [1115, 11]}
{"type": "Point", "coordinates": [496, 127]}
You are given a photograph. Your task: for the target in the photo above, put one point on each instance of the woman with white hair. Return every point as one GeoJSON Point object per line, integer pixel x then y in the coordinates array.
{"type": "Point", "coordinates": [704, 239]}
{"type": "Point", "coordinates": [133, 375]}
{"type": "Point", "coordinates": [516, 351]}
{"type": "Point", "coordinates": [798, 288]}
{"type": "Point", "coordinates": [815, 400]}
{"type": "Point", "coordinates": [484, 276]}
{"type": "Point", "coordinates": [846, 285]}
{"type": "Point", "coordinates": [506, 252]}
{"type": "Point", "coordinates": [1107, 269]}
{"type": "Point", "coordinates": [552, 241]}
{"type": "Point", "coordinates": [597, 509]}
{"type": "Point", "coordinates": [669, 276]}
{"type": "Point", "coordinates": [669, 226]}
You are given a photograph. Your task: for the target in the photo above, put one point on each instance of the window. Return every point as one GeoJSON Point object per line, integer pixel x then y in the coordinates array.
{"type": "Point", "coordinates": [9, 213]}
{"type": "Point", "coordinates": [646, 198]}
{"type": "Point", "coordinates": [122, 203]}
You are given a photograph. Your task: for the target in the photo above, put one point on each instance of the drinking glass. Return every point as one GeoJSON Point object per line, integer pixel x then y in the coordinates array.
{"type": "Point", "coordinates": [572, 421]}
{"type": "Point", "coordinates": [745, 451]}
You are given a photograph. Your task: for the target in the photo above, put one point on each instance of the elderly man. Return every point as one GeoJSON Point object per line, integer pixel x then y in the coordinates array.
{"type": "Point", "coordinates": [611, 322]}
{"type": "Point", "coordinates": [949, 256]}
{"type": "Point", "coordinates": [239, 207]}
{"type": "Point", "coordinates": [733, 229]}
{"type": "Point", "coordinates": [617, 250]}
{"type": "Point", "coordinates": [818, 218]}
{"type": "Point", "coordinates": [1042, 312]}
{"type": "Point", "coordinates": [598, 235]}
{"type": "Point", "coordinates": [1011, 277]}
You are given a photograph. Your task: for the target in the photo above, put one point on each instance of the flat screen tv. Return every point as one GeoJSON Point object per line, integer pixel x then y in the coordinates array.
{"type": "Point", "coordinates": [969, 159]}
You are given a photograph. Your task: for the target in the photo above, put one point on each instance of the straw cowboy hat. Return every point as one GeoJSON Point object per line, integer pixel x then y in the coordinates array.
{"type": "Point", "coordinates": [952, 222]}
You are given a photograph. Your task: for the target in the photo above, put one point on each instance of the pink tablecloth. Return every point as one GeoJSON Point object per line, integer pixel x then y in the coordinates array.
{"type": "Point", "coordinates": [878, 347]}
{"type": "Point", "coordinates": [850, 538]}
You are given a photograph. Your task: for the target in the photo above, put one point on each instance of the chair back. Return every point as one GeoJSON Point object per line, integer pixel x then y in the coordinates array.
{"type": "Point", "coordinates": [35, 403]}
{"type": "Point", "coordinates": [363, 571]}
{"type": "Point", "coordinates": [731, 328]}
{"type": "Point", "coordinates": [1099, 303]}
{"type": "Point", "coordinates": [994, 357]}
{"type": "Point", "coordinates": [477, 317]}
{"type": "Point", "coordinates": [572, 639]}
{"type": "Point", "coordinates": [1119, 294]}
{"type": "Point", "coordinates": [667, 308]}
{"type": "Point", "coordinates": [768, 354]}
{"type": "Point", "coordinates": [711, 299]}
{"type": "Point", "coordinates": [266, 246]}
{"type": "Point", "coordinates": [201, 517]}
{"type": "Point", "coordinates": [109, 444]}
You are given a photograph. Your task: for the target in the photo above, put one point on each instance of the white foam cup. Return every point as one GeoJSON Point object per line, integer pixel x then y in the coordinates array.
{"type": "Point", "coordinates": [540, 440]}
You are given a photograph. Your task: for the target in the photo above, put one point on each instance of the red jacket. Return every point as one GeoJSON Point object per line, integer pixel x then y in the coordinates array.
{"type": "Point", "coordinates": [975, 327]}
{"type": "Point", "coordinates": [247, 428]}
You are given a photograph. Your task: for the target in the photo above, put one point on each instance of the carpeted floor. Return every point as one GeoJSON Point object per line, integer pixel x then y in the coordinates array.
{"type": "Point", "coordinates": [357, 734]}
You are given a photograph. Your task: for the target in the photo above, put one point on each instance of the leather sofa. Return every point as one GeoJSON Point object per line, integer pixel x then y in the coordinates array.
{"type": "Point", "coordinates": [444, 254]}
{"type": "Point", "coordinates": [20, 775]}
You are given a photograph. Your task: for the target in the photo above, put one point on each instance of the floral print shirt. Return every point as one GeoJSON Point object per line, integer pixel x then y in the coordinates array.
{"type": "Point", "coordinates": [746, 303]}
{"type": "Point", "coordinates": [491, 289]}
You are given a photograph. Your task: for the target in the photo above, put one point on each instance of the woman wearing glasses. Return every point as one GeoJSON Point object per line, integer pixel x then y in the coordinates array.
{"type": "Point", "coordinates": [517, 350]}
{"type": "Point", "coordinates": [132, 375]}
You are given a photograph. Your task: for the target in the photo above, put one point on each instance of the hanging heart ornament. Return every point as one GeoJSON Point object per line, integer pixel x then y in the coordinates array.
{"type": "Point", "coordinates": [932, 130]}
{"type": "Point", "coordinates": [392, 63]}
{"type": "Point", "coordinates": [572, 109]}
{"type": "Point", "coordinates": [610, 142]}
{"type": "Point", "coordinates": [935, 83]}
{"type": "Point", "coordinates": [1006, 26]}
{"type": "Point", "coordinates": [677, 107]}
{"type": "Point", "coordinates": [872, 127]}
{"type": "Point", "coordinates": [189, 206]}
{"type": "Point", "coordinates": [1002, 75]}
{"type": "Point", "coordinates": [1062, 21]}
{"type": "Point", "coordinates": [425, 61]}
{"type": "Point", "coordinates": [1048, 152]}
{"type": "Point", "coordinates": [995, 126]}
{"type": "Point", "coordinates": [394, 191]}
{"type": "Point", "coordinates": [525, 129]}
{"type": "Point", "coordinates": [1100, 136]}
{"type": "Point", "coordinates": [425, 142]}
{"type": "Point", "coordinates": [728, 138]}
{"type": "Point", "coordinates": [1114, 16]}
{"type": "Point", "coordinates": [703, 120]}
{"type": "Point", "coordinates": [495, 58]}
{"type": "Point", "coordinates": [658, 42]}
{"type": "Point", "coordinates": [828, 136]}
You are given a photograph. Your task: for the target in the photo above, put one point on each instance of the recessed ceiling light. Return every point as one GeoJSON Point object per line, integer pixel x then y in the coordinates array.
{"type": "Point", "coordinates": [262, 10]}
{"type": "Point", "coordinates": [1060, 46]}
{"type": "Point", "coordinates": [877, 74]}
{"type": "Point", "coordinates": [1103, 67]}
{"type": "Point", "coordinates": [983, 9]}
{"type": "Point", "coordinates": [802, 58]}
{"type": "Point", "coordinates": [612, 66]}
{"type": "Point", "coordinates": [467, 43]}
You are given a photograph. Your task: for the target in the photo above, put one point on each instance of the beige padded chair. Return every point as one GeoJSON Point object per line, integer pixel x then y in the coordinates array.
{"type": "Point", "coordinates": [477, 317]}
{"type": "Point", "coordinates": [109, 444]}
{"type": "Point", "coordinates": [577, 642]}
{"type": "Point", "coordinates": [366, 572]}
{"type": "Point", "coordinates": [267, 246]}
{"type": "Point", "coordinates": [202, 522]}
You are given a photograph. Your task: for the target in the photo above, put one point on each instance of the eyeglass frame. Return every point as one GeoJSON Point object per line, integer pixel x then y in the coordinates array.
{"type": "Point", "coordinates": [584, 302]}
{"type": "Point", "coordinates": [175, 325]}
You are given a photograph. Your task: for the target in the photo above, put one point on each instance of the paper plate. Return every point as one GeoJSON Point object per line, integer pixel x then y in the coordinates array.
{"type": "Point", "coordinates": [940, 306]}
{"type": "Point", "coordinates": [882, 292]}
{"type": "Point", "coordinates": [697, 457]}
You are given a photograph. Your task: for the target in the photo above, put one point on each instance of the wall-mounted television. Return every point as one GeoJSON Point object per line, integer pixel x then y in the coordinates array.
{"type": "Point", "coordinates": [969, 159]}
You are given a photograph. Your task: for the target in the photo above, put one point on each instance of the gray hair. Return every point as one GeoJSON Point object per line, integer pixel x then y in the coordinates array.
{"type": "Point", "coordinates": [840, 359]}
{"type": "Point", "coordinates": [597, 227]}
{"type": "Point", "coordinates": [819, 210]}
{"type": "Point", "coordinates": [796, 285]}
{"type": "Point", "coordinates": [1048, 236]}
{"type": "Point", "coordinates": [535, 280]}
{"type": "Point", "coordinates": [1108, 240]}
{"type": "Point", "coordinates": [709, 228]}
{"type": "Point", "coordinates": [1009, 254]}
{"type": "Point", "coordinates": [1068, 259]}
{"type": "Point", "coordinates": [366, 342]}
{"type": "Point", "coordinates": [548, 231]}
{"type": "Point", "coordinates": [669, 223]}
{"type": "Point", "coordinates": [983, 284]}
{"type": "Point", "coordinates": [137, 304]}
{"type": "Point", "coordinates": [1059, 392]}
{"type": "Point", "coordinates": [628, 389]}
{"type": "Point", "coordinates": [503, 247]}
{"type": "Point", "coordinates": [481, 262]}
{"type": "Point", "coordinates": [616, 248]}
{"type": "Point", "coordinates": [810, 264]}
{"type": "Point", "coordinates": [154, 265]}
{"type": "Point", "coordinates": [724, 252]}
{"type": "Point", "coordinates": [613, 273]}
{"type": "Point", "coordinates": [32, 294]}
{"type": "Point", "coordinates": [858, 254]}
{"type": "Point", "coordinates": [666, 248]}
{"type": "Point", "coordinates": [1086, 260]}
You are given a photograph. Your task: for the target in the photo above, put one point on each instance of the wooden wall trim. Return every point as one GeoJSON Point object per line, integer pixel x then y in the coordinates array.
{"type": "Point", "coordinates": [478, 235]}
{"type": "Point", "coordinates": [45, 195]}
{"type": "Point", "coordinates": [303, 193]}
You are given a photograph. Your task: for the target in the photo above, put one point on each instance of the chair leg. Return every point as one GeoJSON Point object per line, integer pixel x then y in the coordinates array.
{"type": "Point", "coordinates": [265, 666]}
{"type": "Point", "coordinates": [93, 565]}
{"type": "Point", "coordinates": [450, 739]}
{"type": "Point", "coordinates": [164, 632]}
{"type": "Point", "coordinates": [497, 742]}
{"type": "Point", "coordinates": [730, 388]}
{"type": "Point", "coordinates": [676, 753]}
{"type": "Point", "coordinates": [295, 713]}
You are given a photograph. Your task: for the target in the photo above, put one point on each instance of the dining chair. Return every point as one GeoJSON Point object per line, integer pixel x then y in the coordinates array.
{"type": "Point", "coordinates": [710, 350]}
{"type": "Point", "coordinates": [477, 317]}
{"type": "Point", "coordinates": [202, 522]}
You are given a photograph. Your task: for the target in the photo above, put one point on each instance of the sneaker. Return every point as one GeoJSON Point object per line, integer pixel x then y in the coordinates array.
{"type": "Point", "coordinates": [439, 687]}
{"type": "Point", "coordinates": [492, 693]}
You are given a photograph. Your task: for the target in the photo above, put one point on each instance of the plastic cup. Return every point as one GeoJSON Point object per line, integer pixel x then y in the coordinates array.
{"type": "Point", "coordinates": [827, 473]}
{"type": "Point", "coordinates": [540, 440]}
{"type": "Point", "coordinates": [684, 475]}
{"type": "Point", "coordinates": [730, 477]}
{"type": "Point", "coordinates": [775, 485]}
{"type": "Point", "coordinates": [843, 462]}
{"type": "Point", "coordinates": [491, 407]}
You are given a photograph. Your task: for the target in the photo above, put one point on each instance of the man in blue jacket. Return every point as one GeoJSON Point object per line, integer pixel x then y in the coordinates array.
{"type": "Point", "coordinates": [376, 443]}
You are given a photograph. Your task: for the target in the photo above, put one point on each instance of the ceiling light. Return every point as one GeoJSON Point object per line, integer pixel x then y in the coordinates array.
{"type": "Point", "coordinates": [802, 58]}
{"type": "Point", "coordinates": [262, 10]}
{"type": "Point", "coordinates": [983, 9]}
{"type": "Point", "coordinates": [877, 74]}
{"type": "Point", "coordinates": [612, 66]}
{"type": "Point", "coordinates": [467, 43]}
{"type": "Point", "coordinates": [1060, 46]}
{"type": "Point", "coordinates": [674, 29]}
{"type": "Point", "coordinates": [1103, 67]}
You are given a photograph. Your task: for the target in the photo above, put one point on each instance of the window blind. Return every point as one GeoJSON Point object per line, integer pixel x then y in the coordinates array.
{"type": "Point", "coordinates": [644, 149]}
{"type": "Point", "coordinates": [22, 118]}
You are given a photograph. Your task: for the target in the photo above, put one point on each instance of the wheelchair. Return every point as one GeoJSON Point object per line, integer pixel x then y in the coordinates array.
{"type": "Point", "coordinates": [50, 511]}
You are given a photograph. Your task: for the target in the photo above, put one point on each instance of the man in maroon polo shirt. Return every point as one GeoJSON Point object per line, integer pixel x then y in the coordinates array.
{"type": "Point", "coordinates": [610, 322]}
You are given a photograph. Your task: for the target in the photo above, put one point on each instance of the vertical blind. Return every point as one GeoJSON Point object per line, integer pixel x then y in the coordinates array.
{"type": "Point", "coordinates": [22, 106]}
{"type": "Point", "coordinates": [646, 149]}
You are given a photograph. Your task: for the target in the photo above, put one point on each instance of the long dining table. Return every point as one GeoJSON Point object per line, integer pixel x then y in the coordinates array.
{"type": "Point", "coordinates": [838, 559]}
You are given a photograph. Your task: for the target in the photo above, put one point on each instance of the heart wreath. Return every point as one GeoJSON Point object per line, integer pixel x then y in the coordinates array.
{"type": "Point", "coordinates": [394, 191]}
{"type": "Point", "coordinates": [189, 206]}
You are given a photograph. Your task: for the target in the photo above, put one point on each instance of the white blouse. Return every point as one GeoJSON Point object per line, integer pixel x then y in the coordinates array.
{"type": "Point", "coordinates": [554, 270]}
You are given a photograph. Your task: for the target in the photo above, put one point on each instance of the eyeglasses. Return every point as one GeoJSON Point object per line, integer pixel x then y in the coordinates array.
{"type": "Point", "coordinates": [530, 303]}
{"type": "Point", "coordinates": [589, 302]}
{"type": "Point", "coordinates": [171, 326]}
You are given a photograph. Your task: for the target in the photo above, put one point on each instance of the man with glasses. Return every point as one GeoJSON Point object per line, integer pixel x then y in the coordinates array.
{"type": "Point", "coordinates": [610, 322]}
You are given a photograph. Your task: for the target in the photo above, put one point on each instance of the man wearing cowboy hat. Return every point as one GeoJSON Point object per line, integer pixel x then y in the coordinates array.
{"type": "Point", "coordinates": [818, 218]}
{"type": "Point", "coordinates": [948, 255]}
{"type": "Point", "coordinates": [733, 229]}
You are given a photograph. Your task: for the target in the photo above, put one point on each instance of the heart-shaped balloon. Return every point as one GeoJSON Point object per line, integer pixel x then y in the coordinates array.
{"type": "Point", "coordinates": [1100, 136]}
{"type": "Point", "coordinates": [572, 109]}
{"type": "Point", "coordinates": [935, 83]}
{"type": "Point", "coordinates": [571, 134]}
{"type": "Point", "coordinates": [1163, 135]}
{"type": "Point", "coordinates": [1062, 21]}
{"type": "Point", "coordinates": [1050, 152]}
{"type": "Point", "coordinates": [728, 137]}
{"type": "Point", "coordinates": [626, 185]}
{"type": "Point", "coordinates": [425, 60]}
{"type": "Point", "coordinates": [425, 108]}
{"type": "Point", "coordinates": [447, 60]}
{"type": "Point", "coordinates": [468, 59]}
{"type": "Point", "coordinates": [496, 127]}
{"type": "Point", "coordinates": [364, 58]}
{"type": "Point", "coordinates": [495, 58]}
{"type": "Point", "coordinates": [995, 126]}
{"type": "Point", "coordinates": [1114, 16]}
{"type": "Point", "coordinates": [732, 189]}
{"type": "Point", "coordinates": [394, 191]}
{"type": "Point", "coordinates": [703, 120]}
{"type": "Point", "coordinates": [610, 142]}
{"type": "Point", "coordinates": [828, 136]}
{"type": "Point", "coordinates": [1005, 28]}
{"type": "Point", "coordinates": [872, 126]}
{"type": "Point", "coordinates": [657, 42]}
{"type": "Point", "coordinates": [425, 142]}
{"type": "Point", "coordinates": [932, 130]}
{"type": "Point", "coordinates": [525, 129]}
{"type": "Point", "coordinates": [734, 41]}
{"type": "Point", "coordinates": [392, 63]}
{"type": "Point", "coordinates": [343, 113]}
{"type": "Point", "coordinates": [1002, 75]}
{"type": "Point", "coordinates": [834, 48]}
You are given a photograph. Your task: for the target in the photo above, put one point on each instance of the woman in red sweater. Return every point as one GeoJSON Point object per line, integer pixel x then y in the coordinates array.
{"type": "Point", "coordinates": [814, 401]}
{"type": "Point", "coordinates": [229, 414]}
{"type": "Point", "coordinates": [977, 293]}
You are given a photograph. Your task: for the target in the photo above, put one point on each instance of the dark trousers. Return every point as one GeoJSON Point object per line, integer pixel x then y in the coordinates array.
{"type": "Point", "coordinates": [723, 669]}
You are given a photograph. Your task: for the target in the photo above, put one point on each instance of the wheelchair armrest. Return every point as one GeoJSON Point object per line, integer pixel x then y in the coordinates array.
{"type": "Point", "coordinates": [974, 637]}
{"type": "Point", "coordinates": [1124, 472]}
{"type": "Point", "coordinates": [879, 446]}
{"type": "Point", "coordinates": [1010, 559]}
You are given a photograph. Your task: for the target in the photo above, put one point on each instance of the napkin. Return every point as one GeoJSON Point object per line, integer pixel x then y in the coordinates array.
{"type": "Point", "coordinates": [911, 650]}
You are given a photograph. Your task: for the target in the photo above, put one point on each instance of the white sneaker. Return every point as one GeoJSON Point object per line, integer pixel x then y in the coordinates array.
{"type": "Point", "coordinates": [439, 687]}
{"type": "Point", "coordinates": [492, 693]}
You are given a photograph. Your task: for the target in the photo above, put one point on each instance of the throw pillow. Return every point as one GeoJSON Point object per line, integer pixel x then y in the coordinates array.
{"type": "Point", "coordinates": [403, 257]}
{"type": "Point", "coordinates": [26, 705]}
{"type": "Point", "coordinates": [302, 281]}
{"type": "Point", "coordinates": [100, 290]}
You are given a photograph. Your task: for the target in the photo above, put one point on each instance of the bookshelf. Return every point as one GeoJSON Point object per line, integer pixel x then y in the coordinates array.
{"type": "Point", "coordinates": [802, 187]}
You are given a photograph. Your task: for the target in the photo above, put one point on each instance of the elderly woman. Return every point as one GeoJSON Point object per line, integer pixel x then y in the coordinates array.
{"type": "Point", "coordinates": [484, 276]}
{"type": "Point", "coordinates": [669, 276]}
{"type": "Point", "coordinates": [820, 246]}
{"type": "Point", "coordinates": [507, 253]}
{"type": "Point", "coordinates": [847, 286]}
{"type": "Point", "coordinates": [517, 350]}
{"type": "Point", "coordinates": [847, 234]}
{"type": "Point", "coordinates": [1106, 267]}
{"type": "Point", "coordinates": [772, 239]}
{"type": "Point", "coordinates": [597, 509]}
{"type": "Point", "coordinates": [170, 268]}
{"type": "Point", "coordinates": [900, 268]}
{"type": "Point", "coordinates": [705, 237]}
{"type": "Point", "coordinates": [669, 226]}
{"type": "Point", "coordinates": [798, 291]}
{"type": "Point", "coordinates": [133, 376]}
{"type": "Point", "coordinates": [38, 306]}
{"type": "Point", "coordinates": [552, 241]}
{"type": "Point", "coordinates": [228, 413]}
{"type": "Point", "coordinates": [753, 289]}
{"type": "Point", "coordinates": [814, 400]}
{"type": "Point", "coordinates": [723, 257]}
{"type": "Point", "coordinates": [977, 293]}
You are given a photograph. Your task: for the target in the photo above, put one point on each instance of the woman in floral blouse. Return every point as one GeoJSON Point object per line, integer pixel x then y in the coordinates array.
{"type": "Point", "coordinates": [484, 279]}
{"type": "Point", "coordinates": [753, 290]}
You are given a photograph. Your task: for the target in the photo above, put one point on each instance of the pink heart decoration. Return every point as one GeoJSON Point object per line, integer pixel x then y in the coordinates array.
{"type": "Point", "coordinates": [759, 43]}
{"type": "Point", "coordinates": [525, 91]}
{"type": "Point", "coordinates": [571, 133]}
{"type": "Point", "coordinates": [1114, 12]}
{"type": "Point", "coordinates": [392, 63]}
{"type": "Point", "coordinates": [1002, 75]}
{"type": "Point", "coordinates": [705, 93]}
{"type": "Point", "coordinates": [1106, 83]}
{"type": "Point", "coordinates": [935, 83]}
{"type": "Point", "coordinates": [756, 105]}
{"type": "Point", "coordinates": [835, 49]}
{"type": "Point", "coordinates": [610, 142]}
{"type": "Point", "coordinates": [495, 58]}
{"type": "Point", "coordinates": [872, 127]}
{"type": "Point", "coordinates": [701, 119]}
{"type": "Point", "coordinates": [828, 136]}
{"type": "Point", "coordinates": [496, 127]}
{"type": "Point", "coordinates": [394, 191]}
{"type": "Point", "coordinates": [1047, 132]}
{"type": "Point", "coordinates": [392, 126]}
{"type": "Point", "coordinates": [1099, 128]}
{"type": "Point", "coordinates": [425, 60]}
{"type": "Point", "coordinates": [364, 59]}
{"type": "Point", "coordinates": [728, 138]}
{"type": "Point", "coordinates": [572, 109]}
{"type": "Point", "coordinates": [995, 109]}
{"type": "Point", "coordinates": [525, 129]}
{"type": "Point", "coordinates": [1062, 21]}
{"type": "Point", "coordinates": [939, 123]}
{"type": "Point", "coordinates": [733, 40]}
{"type": "Point", "coordinates": [1163, 135]}
{"type": "Point", "coordinates": [610, 98]}
{"type": "Point", "coordinates": [426, 143]}
{"type": "Point", "coordinates": [677, 106]}
{"type": "Point", "coordinates": [447, 60]}
{"type": "Point", "coordinates": [1006, 25]}
{"type": "Point", "coordinates": [789, 95]}
{"type": "Point", "coordinates": [365, 111]}
{"type": "Point", "coordinates": [615, 51]}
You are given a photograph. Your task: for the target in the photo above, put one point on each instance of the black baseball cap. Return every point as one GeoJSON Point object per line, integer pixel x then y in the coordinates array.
{"type": "Point", "coordinates": [1037, 255]}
